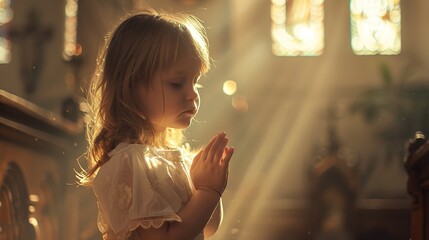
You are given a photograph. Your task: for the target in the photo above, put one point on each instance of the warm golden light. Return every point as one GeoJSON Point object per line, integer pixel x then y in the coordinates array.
{"type": "Point", "coordinates": [240, 104]}
{"type": "Point", "coordinates": [34, 198]}
{"type": "Point", "coordinates": [375, 27]}
{"type": "Point", "coordinates": [297, 27]}
{"type": "Point", "coordinates": [71, 48]}
{"type": "Point", "coordinates": [229, 87]}
{"type": "Point", "coordinates": [31, 209]}
{"type": "Point", "coordinates": [33, 221]}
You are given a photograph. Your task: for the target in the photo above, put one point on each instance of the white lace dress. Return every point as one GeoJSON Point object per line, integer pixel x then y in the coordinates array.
{"type": "Point", "coordinates": [140, 186]}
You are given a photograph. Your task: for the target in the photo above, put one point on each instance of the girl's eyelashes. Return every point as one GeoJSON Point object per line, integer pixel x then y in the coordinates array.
{"type": "Point", "coordinates": [176, 85]}
{"type": "Point", "coordinates": [179, 84]}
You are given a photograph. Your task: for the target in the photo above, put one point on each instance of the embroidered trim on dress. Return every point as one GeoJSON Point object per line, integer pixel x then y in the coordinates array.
{"type": "Point", "coordinates": [146, 223]}
{"type": "Point", "coordinates": [124, 195]}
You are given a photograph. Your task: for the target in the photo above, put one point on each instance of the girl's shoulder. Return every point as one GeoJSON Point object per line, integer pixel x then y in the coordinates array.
{"type": "Point", "coordinates": [127, 148]}
{"type": "Point", "coordinates": [121, 157]}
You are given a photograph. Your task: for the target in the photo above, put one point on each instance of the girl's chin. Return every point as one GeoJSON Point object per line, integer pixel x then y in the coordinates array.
{"type": "Point", "coordinates": [184, 125]}
{"type": "Point", "coordinates": [179, 123]}
{"type": "Point", "coordinates": [184, 122]}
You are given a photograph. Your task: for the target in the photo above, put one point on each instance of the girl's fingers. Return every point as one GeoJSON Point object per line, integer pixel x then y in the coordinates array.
{"type": "Point", "coordinates": [219, 152]}
{"type": "Point", "coordinates": [214, 148]}
{"type": "Point", "coordinates": [208, 147]}
{"type": "Point", "coordinates": [228, 155]}
{"type": "Point", "coordinates": [225, 151]}
{"type": "Point", "coordinates": [196, 159]}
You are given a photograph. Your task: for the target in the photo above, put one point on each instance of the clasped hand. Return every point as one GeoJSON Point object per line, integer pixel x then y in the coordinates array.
{"type": "Point", "coordinates": [209, 169]}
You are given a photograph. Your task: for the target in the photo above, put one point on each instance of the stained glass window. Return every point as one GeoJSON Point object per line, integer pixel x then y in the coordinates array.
{"type": "Point", "coordinates": [297, 27]}
{"type": "Point", "coordinates": [375, 27]}
{"type": "Point", "coordinates": [6, 16]}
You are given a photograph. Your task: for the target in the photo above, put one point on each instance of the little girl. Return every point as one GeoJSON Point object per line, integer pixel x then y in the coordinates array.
{"type": "Point", "coordinates": [142, 95]}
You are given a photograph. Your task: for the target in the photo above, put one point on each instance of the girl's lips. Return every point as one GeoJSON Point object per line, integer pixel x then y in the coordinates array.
{"type": "Point", "coordinates": [189, 112]}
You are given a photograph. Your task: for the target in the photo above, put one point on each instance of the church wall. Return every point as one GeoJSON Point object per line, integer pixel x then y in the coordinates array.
{"type": "Point", "coordinates": [424, 35]}
{"type": "Point", "coordinates": [51, 88]}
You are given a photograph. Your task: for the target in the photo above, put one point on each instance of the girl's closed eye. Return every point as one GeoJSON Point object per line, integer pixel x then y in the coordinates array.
{"type": "Point", "coordinates": [176, 85]}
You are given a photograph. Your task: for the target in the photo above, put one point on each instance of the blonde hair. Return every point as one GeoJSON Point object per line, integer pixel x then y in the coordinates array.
{"type": "Point", "coordinates": [141, 45]}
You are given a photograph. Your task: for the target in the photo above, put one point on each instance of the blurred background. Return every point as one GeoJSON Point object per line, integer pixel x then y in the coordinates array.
{"type": "Point", "coordinates": [319, 98]}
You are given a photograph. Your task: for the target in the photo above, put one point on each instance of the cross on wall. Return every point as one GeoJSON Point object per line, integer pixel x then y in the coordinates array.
{"type": "Point", "coordinates": [31, 38]}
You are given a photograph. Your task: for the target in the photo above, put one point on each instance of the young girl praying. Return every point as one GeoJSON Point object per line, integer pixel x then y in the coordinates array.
{"type": "Point", "coordinates": [143, 94]}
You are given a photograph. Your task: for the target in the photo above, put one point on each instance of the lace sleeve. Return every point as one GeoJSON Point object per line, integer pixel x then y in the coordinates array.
{"type": "Point", "coordinates": [128, 198]}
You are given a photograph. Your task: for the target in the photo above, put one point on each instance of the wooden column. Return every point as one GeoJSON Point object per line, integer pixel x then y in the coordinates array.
{"type": "Point", "coordinates": [417, 166]}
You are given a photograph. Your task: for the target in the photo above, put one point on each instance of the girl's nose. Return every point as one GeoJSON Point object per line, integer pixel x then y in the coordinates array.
{"type": "Point", "coordinates": [192, 94]}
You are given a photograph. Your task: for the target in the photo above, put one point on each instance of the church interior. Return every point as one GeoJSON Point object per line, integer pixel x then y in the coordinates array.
{"type": "Point", "coordinates": [325, 101]}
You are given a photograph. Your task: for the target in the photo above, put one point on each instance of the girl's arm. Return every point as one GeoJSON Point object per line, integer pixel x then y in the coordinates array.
{"type": "Point", "coordinates": [209, 173]}
{"type": "Point", "coordinates": [215, 220]}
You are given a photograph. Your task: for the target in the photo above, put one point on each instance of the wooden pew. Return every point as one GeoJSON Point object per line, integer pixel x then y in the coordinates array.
{"type": "Point", "coordinates": [417, 166]}
{"type": "Point", "coordinates": [37, 148]}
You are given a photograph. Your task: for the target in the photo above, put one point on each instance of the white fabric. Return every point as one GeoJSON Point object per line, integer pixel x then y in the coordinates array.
{"type": "Point", "coordinates": [140, 186]}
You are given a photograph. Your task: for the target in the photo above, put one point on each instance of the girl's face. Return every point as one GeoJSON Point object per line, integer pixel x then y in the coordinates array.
{"type": "Point", "coordinates": [172, 99]}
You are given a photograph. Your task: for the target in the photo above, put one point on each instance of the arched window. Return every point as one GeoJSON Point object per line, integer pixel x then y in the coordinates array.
{"type": "Point", "coordinates": [6, 16]}
{"type": "Point", "coordinates": [71, 48]}
{"type": "Point", "coordinates": [297, 27]}
{"type": "Point", "coordinates": [375, 27]}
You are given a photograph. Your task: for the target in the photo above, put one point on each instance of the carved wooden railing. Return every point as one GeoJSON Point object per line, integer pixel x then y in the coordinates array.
{"type": "Point", "coordinates": [417, 166]}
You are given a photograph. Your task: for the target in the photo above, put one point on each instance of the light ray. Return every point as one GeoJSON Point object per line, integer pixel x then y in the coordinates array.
{"type": "Point", "coordinates": [250, 196]}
